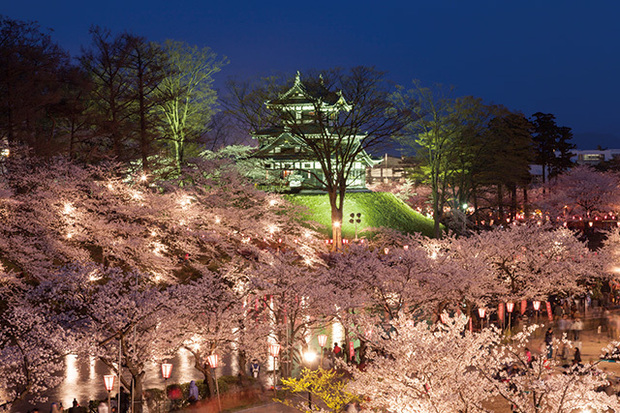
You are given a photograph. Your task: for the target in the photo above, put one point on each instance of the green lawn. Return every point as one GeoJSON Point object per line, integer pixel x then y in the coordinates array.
{"type": "Point", "coordinates": [378, 209]}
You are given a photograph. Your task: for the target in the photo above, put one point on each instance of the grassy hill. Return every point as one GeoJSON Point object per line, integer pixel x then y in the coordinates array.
{"type": "Point", "coordinates": [378, 209]}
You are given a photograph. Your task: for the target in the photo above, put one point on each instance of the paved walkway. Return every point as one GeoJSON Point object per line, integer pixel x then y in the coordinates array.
{"type": "Point", "coordinates": [269, 408]}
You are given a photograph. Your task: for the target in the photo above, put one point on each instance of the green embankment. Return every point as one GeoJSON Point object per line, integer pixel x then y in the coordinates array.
{"type": "Point", "coordinates": [378, 209]}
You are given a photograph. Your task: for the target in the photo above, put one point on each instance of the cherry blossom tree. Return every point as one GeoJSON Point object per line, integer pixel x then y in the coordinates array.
{"type": "Point", "coordinates": [533, 262]}
{"type": "Point", "coordinates": [445, 368]}
{"type": "Point", "coordinates": [542, 385]}
{"type": "Point", "coordinates": [291, 296]}
{"type": "Point", "coordinates": [411, 274]}
{"type": "Point", "coordinates": [210, 319]}
{"type": "Point", "coordinates": [415, 367]}
{"type": "Point", "coordinates": [58, 213]}
{"type": "Point", "coordinates": [120, 314]}
{"type": "Point", "coordinates": [111, 244]}
{"type": "Point", "coordinates": [32, 344]}
{"type": "Point", "coordinates": [581, 191]}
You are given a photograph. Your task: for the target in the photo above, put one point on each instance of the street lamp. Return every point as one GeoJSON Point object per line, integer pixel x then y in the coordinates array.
{"type": "Point", "coordinates": [536, 305]}
{"type": "Point", "coordinates": [213, 360]}
{"type": "Point", "coordinates": [510, 307]}
{"type": "Point", "coordinates": [108, 380]}
{"type": "Point", "coordinates": [274, 351]}
{"type": "Point", "coordinates": [309, 357]}
{"type": "Point", "coordinates": [166, 369]}
{"type": "Point", "coordinates": [482, 312]}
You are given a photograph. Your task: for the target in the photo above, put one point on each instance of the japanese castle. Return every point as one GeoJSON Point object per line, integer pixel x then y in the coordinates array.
{"type": "Point", "coordinates": [284, 146]}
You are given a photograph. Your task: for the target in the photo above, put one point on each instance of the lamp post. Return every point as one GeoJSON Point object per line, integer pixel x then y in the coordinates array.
{"type": "Point", "coordinates": [166, 369]}
{"type": "Point", "coordinates": [213, 360]}
{"type": "Point", "coordinates": [108, 380]}
{"type": "Point", "coordinates": [309, 357]}
{"type": "Point", "coordinates": [536, 305]}
{"type": "Point", "coordinates": [510, 307]}
{"type": "Point", "coordinates": [482, 313]}
{"type": "Point", "coordinates": [322, 338]}
{"type": "Point", "coordinates": [355, 221]}
{"type": "Point", "coordinates": [274, 351]}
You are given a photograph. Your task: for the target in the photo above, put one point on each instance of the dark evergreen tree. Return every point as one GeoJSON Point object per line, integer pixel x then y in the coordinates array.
{"type": "Point", "coordinates": [551, 146]}
{"type": "Point", "coordinates": [31, 67]}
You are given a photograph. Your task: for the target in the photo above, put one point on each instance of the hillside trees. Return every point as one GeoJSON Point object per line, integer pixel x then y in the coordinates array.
{"type": "Point", "coordinates": [59, 212]}
{"type": "Point", "coordinates": [107, 249]}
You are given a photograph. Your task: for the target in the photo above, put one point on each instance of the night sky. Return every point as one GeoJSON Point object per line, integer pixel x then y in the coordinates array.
{"type": "Point", "coordinates": [560, 57]}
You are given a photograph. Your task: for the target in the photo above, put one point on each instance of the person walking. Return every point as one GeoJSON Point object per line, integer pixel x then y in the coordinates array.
{"type": "Point", "coordinates": [549, 343]}
{"type": "Point", "coordinates": [337, 350]}
{"type": "Point", "coordinates": [577, 357]}
{"type": "Point", "coordinates": [577, 327]}
{"type": "Point", "coordinates": [54, 408]}
{"type": "Point", "coordinates": [194, 396]}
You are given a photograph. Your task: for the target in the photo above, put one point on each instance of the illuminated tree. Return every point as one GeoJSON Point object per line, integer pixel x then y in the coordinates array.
{"type": "Point", "coordinates": [187, 97]}
{"type": "Point", "coordinates": [328, 386]}
{"type": "Point", "coordinates": [440, 123]}
{"type": "Point", "coordinates": [582, 191]}
{"type": "Point", "coordinates": [33, 343]}
{"type": "Point", "coordinates": [416, 367]}
{"type": "Point", "coordinates": [289, 294]}
{"type": "Point", "coordinates": [118, 314]}
{"type": "Point", "coordinates": [533, 262]}
{"type": "Point", "coordinates": [445, 368]}
{"type": "Point", "coordinates": [542, 385]}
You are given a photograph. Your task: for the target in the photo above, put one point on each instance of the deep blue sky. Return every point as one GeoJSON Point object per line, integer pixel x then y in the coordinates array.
{"type": "Point", "coordinates": [560, 57]}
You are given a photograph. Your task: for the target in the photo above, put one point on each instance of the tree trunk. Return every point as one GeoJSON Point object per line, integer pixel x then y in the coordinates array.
{"type": "Point", "coordinates": [513, 200]}
{"type": "Point", "coordinates": [500, 203]}
{"type": "Point", "coordinates": [436, 216]}
{"type": "Point", "coordinates": [336, 206]}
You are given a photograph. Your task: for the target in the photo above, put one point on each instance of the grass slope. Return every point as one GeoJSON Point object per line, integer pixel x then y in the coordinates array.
{"type": "Point", "coordinates": [378, 209]}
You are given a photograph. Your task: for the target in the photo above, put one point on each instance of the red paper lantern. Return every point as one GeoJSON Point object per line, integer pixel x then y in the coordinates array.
{"type": "Point", "coordinates": [274, 349]}
{"type": "Point", "coordinates": [108, 380]}
{"type": "Point", "coordinates": [213, 360]}
{"type": "Point", "coordinates": [166, 369]}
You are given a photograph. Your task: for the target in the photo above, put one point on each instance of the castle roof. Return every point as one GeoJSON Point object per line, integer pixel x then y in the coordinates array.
{"type": "Point", "coordinates": [301, 94]}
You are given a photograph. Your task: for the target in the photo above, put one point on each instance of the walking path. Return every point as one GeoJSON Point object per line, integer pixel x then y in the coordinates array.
{"type": "Point", "coordinates": [269, 408]}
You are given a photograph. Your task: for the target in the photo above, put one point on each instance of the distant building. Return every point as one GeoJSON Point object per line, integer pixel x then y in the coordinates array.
{"type": "Point", "coordinates": [594, 156]}
{"type": "Point", "coordinates": [390, 169]}
{"type": "Point", "coordinates": [286, 155]}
